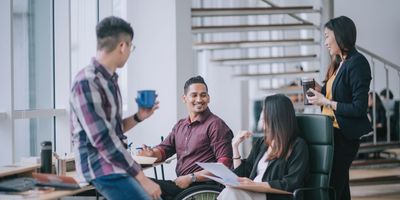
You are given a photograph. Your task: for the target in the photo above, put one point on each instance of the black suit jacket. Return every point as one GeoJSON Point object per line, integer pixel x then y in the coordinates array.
{"type": "Point", "coordinates": [281, 174]}
{"type": "Point", "coordinates": [350, 90]}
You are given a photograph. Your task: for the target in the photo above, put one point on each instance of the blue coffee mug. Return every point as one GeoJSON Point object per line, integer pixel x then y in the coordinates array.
{"type": "Point", "coordinates": [146, 98]}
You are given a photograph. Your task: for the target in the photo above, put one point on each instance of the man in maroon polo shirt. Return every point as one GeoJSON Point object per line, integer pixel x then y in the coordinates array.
{"type": "Point", "coordinates": [201, 137]}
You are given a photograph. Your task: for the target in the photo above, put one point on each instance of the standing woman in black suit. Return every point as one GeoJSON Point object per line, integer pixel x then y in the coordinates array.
{"type": "Point", "coordinates": [344, 97]}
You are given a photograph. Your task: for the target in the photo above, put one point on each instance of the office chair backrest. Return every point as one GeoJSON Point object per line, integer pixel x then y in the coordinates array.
{"type": "Point", "coordinates": [317, 130]}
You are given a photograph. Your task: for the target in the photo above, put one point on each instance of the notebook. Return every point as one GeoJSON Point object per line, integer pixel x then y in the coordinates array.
{"type": "Point", "coordinates": [19, 184]}
{"type": "Point", "coordinates": [52, 180]}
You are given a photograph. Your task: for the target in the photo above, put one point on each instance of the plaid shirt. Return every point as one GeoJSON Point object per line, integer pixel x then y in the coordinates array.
{"type": "Point", "coordinates": [96, 125]}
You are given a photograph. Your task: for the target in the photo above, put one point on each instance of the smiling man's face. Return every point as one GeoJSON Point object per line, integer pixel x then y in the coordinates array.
{"type": "Point", "coordinates": [196, 98]}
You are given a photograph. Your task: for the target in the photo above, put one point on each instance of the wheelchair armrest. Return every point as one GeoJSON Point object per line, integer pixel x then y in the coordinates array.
{"type": "Point", "coordinates": [299, 190]}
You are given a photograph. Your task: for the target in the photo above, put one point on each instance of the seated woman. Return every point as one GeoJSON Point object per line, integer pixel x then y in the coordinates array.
{"type": "Point", "coordinates": [278, 160]}
{"type": "Point", "coordinates": [380, 115]}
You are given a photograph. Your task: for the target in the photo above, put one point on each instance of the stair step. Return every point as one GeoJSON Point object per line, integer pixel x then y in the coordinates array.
{"type": "Point", "coordinates": [375, 180]}
{"type": "Point", "coordinates": [258, 27]}
{"type": "Point", "coordinates": [285, 90]}
{"type": "Point", "coordinates": [212, 12]}
{"type": "Point", "coordinates": [313, 74]}
{"type": "Point", "coordinates": [371, 163]}
{"type": "Point", "coordinates": [253, 43]}
{"type": "Point", "coordinates": [263, 60]}
{"type": "Point", "coordinates": [378, 147]}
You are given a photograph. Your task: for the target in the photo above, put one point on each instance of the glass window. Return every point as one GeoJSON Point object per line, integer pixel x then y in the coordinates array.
{"type": "Point", "coordinates": [33, 54]}
{"type": "Point", "coordinates": [33, 73]}
{"type": "Point", "coordinates": [83, 34]}
{"type": "Point", "coordinates": [29, 133]}
{"type": "Point", "coordinates": [119, 10]}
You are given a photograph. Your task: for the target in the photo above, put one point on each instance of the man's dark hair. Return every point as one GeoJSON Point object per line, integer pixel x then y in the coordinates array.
{"type": "Point", "coordinates": [383, 93]}
{"type": "Point", "coordinates": [193, 80]}
{"type": "Point", "coordinates": [110, 31]}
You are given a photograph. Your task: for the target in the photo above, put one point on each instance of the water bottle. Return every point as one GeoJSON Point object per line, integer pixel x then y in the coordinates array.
{"type": "Point", "coordinates": [46, 157]}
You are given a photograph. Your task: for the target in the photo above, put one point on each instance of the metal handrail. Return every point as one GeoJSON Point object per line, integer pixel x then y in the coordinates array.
{"type": "Point", "coordinates": [377, 57]}
{"type": "Point", "coordinates": [273, 5]}
{"type": "Point", "coordinates": [386, 64]}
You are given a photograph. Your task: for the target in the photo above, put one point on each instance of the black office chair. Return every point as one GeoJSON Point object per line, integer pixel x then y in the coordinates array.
{"type": "Point", "coordinates": [317, 131]}
{"type": "Point", "coordinates": [200, 192]}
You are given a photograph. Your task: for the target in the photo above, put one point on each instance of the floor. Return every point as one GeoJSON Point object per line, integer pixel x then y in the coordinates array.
{"type": "Point", "coordinates": [381, 192]}
{"type": "Point", "coordinates": [372, 192]}
{"type": "Point", "coordinates": [376, 192]}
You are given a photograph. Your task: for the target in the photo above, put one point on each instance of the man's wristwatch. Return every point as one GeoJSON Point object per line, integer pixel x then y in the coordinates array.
{"type": "Point", "coordinates": [193, 177]}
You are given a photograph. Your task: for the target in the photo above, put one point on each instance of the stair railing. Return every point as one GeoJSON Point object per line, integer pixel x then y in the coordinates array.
{"type": "Point", "coordinates": [386, 64]}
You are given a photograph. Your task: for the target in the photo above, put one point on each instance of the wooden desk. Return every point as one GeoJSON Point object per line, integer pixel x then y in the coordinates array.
{"type": "Point", "coordinates": [18, 169]}
{"type": "Point", "coordinates": [26, 170]}
{"type": "Point", "coordinates": [62, 193]}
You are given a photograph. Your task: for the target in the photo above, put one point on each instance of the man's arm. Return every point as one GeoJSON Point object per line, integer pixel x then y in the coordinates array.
{"type": "Point", "coordinates": [141, 115]}
{"type": "Point", "coordinates": [151, 152]}
{"type": "Point", "coordinates": [152, 188]}
{"type": "Point", "coordinates": [185, 180]}
{"type": "Point", "coordinates": [221, 142]}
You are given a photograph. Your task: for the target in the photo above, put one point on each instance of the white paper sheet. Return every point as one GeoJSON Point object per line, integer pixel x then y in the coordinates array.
{"type": "Point", "coordinates": [222, 173]}
{"type": "Point", "coordinates": [226, 177]}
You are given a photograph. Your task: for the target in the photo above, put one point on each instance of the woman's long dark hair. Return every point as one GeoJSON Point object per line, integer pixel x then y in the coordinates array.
{"type": "Point", "coordinates": [345, 33]}
{"type": "Point", "coordinates": [280, 125]}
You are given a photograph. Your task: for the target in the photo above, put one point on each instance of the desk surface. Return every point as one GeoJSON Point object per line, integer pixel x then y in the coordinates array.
{"type": "Point", "coordinates": [32, 194]}
{"type": "Point", "coordinates": [17, 169]}
{"type": "Point", "coordinates": [62, 193]}
{"type": "Point", "coordinates": [28, 168]}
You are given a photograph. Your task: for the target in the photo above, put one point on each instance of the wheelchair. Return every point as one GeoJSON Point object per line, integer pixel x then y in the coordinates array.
{"type": "Point", "coordinates": [200, 192]}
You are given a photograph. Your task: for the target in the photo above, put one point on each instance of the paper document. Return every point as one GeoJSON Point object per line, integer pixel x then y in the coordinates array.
{"type": "Point", "coordinates": [222, 173]}
{"type": "Point", "coordinates": [226, 177]}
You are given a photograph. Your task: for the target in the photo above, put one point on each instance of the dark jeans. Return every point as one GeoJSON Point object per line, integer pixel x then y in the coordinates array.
{"type": "Point", "coordinates": [170, 190]}
{"type": "Point", "coordinates": [120, 187]}
{"type": "Point", "coordinates": [344, 154]}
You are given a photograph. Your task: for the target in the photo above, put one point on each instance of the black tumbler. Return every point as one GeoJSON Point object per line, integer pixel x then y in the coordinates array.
{"type": "Point", "coordinates": [46, 157]}
{"type": "Point", "coordinates": [307, 83]}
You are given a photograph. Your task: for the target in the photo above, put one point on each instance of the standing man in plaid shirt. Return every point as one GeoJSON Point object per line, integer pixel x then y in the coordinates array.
{"type": "Point", "coordinates": [96, 119]}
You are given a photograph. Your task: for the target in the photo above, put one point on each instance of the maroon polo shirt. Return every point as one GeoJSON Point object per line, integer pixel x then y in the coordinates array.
{"type": "Point", "coordinates": [207, 139]}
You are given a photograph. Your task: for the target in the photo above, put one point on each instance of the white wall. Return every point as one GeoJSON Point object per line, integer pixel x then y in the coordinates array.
{"type": "Point", "coordinates": [378, 30]}
{"type": "Point", "coordinates": [162, 61]}
{"type": "Point", "coordinates": [6, 77]}
{"type": "Point", "coordinates": [226, 98]}
{"type": "Point", "coordinates": [62, 62]}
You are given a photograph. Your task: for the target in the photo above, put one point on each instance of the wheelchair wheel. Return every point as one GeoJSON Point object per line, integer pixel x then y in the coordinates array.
{"type": "Point", "coordinates": [200, 192]}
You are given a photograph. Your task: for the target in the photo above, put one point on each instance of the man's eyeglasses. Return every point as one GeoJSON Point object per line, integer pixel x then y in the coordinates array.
{"type": "Point", "coordinates": [133, 47]}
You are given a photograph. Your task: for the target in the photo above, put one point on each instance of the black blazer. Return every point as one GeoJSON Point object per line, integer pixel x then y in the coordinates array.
{"type": "Point", "coordinates": [350, 90]}
{"type": "Point", "coordinates": [281, 174]}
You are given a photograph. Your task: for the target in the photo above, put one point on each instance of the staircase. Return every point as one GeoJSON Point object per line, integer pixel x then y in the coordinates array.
{"type": "Point", "coordinates": [281, 43]}
{"type": "Point", "coordinates": [272, 47]}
